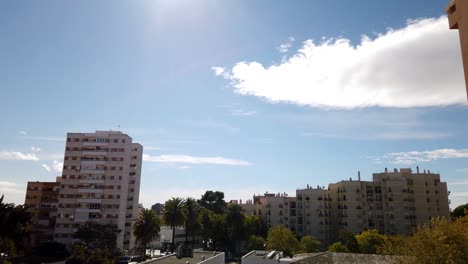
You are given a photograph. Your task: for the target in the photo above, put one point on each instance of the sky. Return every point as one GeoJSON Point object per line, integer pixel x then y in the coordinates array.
{"type": "Point", "coordinates": [244, 97]}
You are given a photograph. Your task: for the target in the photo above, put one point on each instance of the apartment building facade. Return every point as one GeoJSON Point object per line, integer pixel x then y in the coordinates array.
{"type": "Point", "coordinates": [101, 183]}
{"type": "Point", "coordinates": [393, 202]}
{"type": "Point", "coordinates": [457, 12]}
{"type": "Point", "coordinates": [42, 202]}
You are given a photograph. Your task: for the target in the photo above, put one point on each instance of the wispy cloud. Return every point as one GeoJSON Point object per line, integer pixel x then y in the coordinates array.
{"type": "Point", "coordinates": [283, 48]}
{"type": "Point", "coordinates": [390, 70]}
{"type": "Point", "coordinates": [22, 132]}
{"type": "Point", "coordinates": [413, 157]}
{"type": "Point", "coordinates": [463, 170]}
{"type": "Point", "coordinates": [241, 112]}
{"type": "Point", "coordinates": [15, 155]}
{"type": "Point", "coordinates": [413, 135]}
{"type": "Point", "coordinates": [34, 149]}
{"type": "Point", "coordinates": [57, 166]}
{"type": "Point", "coordinates": [46, 167]}
{"type": "Point", "coordinates": [186, 159]}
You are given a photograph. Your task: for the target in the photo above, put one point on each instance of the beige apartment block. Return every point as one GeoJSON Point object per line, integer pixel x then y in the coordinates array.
{"type": "Point", "coordinates": [393, 202]}
{"type": "Point", "coordinates": [274, 209]}
{"type": "Point", "coordinates": [409, 199]}
{"type": "Point", "coordinates": [101, 183]}
{"type": "Point", "coordinates": [457, 12]}
{"type": "Point", "coordinates": [42, 202]}
{"type": "Point", "coordinates": [314, 212]}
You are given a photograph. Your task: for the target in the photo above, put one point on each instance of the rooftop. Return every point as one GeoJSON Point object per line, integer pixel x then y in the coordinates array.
{"type": "Point", "coordinates": [197, 258]}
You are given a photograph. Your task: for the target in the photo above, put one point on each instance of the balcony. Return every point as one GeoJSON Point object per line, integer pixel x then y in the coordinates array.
{"type": "Point", "coordinates": [91, 181]}
{"type": "Point", "coordinates": [94, 153]}
{"type": "Point", "coordinates": [92, 171]}
{"type": "Point", "coordinates": [87, 210]}
{"type": "Point", "coordinates": [95, 144]}
{"type": "Point", "coordinates": [89, 200]}
{"type": "Point", "coordinates": [93, 162]}
{"type": "Point", "coordinates": [83, 190]}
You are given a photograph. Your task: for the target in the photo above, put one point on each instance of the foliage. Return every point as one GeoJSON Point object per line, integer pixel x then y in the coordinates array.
{"type": "Point", "coordinates": [254, 225]}
{"type": "Point", "coordinates": [309, 244]}
{"type": "Point", "coordinates": [256, 243]}
{"type": "Point", "coordinates": [369, 241]}
{"type": "Point", "coordinates": [98, 235]}
{"type": "Point", "coordinates": [192, 223]}
{"type": "Point", "coordinates": [52, 249]}
{"type": "Point", "coordinates": [8, 246]}
{"type": "Point", "coordinates": [146, 227]}
{"type": "Point", "coordinates": [348, 239]}
{"type": "Point", "coordinates": [393, 245]}
{"type": "Point", "coordinates": [81, 254]}
{"type": "Point", "coordinates": [440, 242]}
{"type": "Point", "coordinates": [13, 221]}
{"type": "Point", "coordinates": [173, 215]}
{"type": "Point", "coordinates": [282, 239]}
{"type": "Point", "coordinates": [213, 201]}
{"type": "Point", "coordinates": [337, 247]}
{"type": "Point", "coordinates": [460, 211]}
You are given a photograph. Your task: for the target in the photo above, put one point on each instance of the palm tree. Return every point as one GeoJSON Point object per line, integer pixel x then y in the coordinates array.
{"type": "Point", "coordinates": [173, 215]}
{"type": "Point", "coordinates": [192, 210]}
{"type": "Point", "coordinates": [146, 228]}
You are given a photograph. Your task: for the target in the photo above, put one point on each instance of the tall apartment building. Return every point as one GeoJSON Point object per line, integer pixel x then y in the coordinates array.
{"type": "Point", "coordinates": [457, 12]}
{"type": "Point", "coordinates": [393, 202]}
{"type": "Point", "coordinates": [42, 202]}
{"type": "Point", "coordinates": [100, 182]}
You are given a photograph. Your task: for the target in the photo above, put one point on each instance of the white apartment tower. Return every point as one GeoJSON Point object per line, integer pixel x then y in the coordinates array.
{"type": "Point", "coordinates": [100, 182]}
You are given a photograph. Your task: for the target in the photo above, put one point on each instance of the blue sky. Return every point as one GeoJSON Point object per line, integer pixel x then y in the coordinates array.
{"type": "Point", "coordinates": [239, 96]}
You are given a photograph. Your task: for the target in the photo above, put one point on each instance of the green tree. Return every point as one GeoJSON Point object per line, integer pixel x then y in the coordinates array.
{"type": "Point", "coordinates": [219, 231]}
{"type": "Point", "coordinates": [234, 220]}
{"type": "Point", "coordinates": [440, 241]}
{"type": "Point", "coordinates": [192, 221]}
{"type": "Point", "coordinates": [369, 241]}
{"type": "Point", "coordinates": [337, 247]}
{"type": "Point", "coordinates": [8, 247]}
{"type": "Point", "coordinates": [13, 223]}
{"type": "Point", "coordinates": [348, 239]}
{"type": "Point", "coordinates": [309, 244]}
{"type": "Point", "coordinates": [146, 228]}
{"type": "Point", "coordinates": [213, 201]}
{"type": "Point", "coordinates": [173, 216]}
{"type": "Point", "coordinates": [282, 239]}
{"type": "Point", "coordinates": [255, 225]}
{"type": "Point", "coordinates": [81, 254]}
{"type": "Point", "coordinates": [255, 243]}
{"type": "Point", "coordinates": [460, 211]}
{"type": "Point", "coordinates": [98, 235]}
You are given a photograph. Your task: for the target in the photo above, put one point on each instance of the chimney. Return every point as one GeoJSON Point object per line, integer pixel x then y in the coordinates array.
{"type": "Point", "coordinates": [428, 172]}
{"type": "Point", "coordinates": [350, 179]}
{"type": "Point", "coordinates": [240, 201]}
{"type": "Point", "coordinates": [359, 175]}
{"type": "Point", "coordinates": [386, 171]}
{"type": "Point", "coordinates": [395, 170]}
{"type": "Point", "coordinates": [417, 169]}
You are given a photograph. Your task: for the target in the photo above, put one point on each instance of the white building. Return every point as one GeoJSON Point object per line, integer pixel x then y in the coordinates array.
{"type": "Point", "coordinates": [100, 182]}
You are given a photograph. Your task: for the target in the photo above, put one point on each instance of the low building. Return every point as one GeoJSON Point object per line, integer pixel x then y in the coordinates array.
{"type": "Point", "coordinates": [42, 202]}
{"type": "Point", "coordinates": [199, 257]}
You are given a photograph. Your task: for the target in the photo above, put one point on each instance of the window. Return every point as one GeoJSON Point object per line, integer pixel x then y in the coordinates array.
{"type": "Point", "coordinates": [116, 140]}
{"type": "Point", "coordinates": [123, 140]}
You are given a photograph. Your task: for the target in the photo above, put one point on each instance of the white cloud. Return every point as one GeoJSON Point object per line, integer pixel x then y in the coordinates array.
{"type": "Point", "coordinates": [415, 66]}
{"type": "Point", "coordinates": [458, 198]}
{"type": "Point", "coordinates": [46, 167]}
{"type": "Point", "coordinates": [463, 170]}
{"type": "Point", "coordinates": [34, 149]}
{"type": "Point", "coordinates": [186, 159]}
{"type": "Point", "coordinates": [283, 48]}
{"type": "Point", "coordinates": [15, 155]}
{"type": "Point", "coordinates": [24, 133]}
{"type": "Point", "coordinates": [413, 157]}
{"type": "Point", "coordinates": [57, 166]}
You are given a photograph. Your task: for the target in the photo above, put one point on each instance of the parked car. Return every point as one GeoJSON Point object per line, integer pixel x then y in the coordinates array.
{"type": "Point", "coordinates": [128, 260]}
